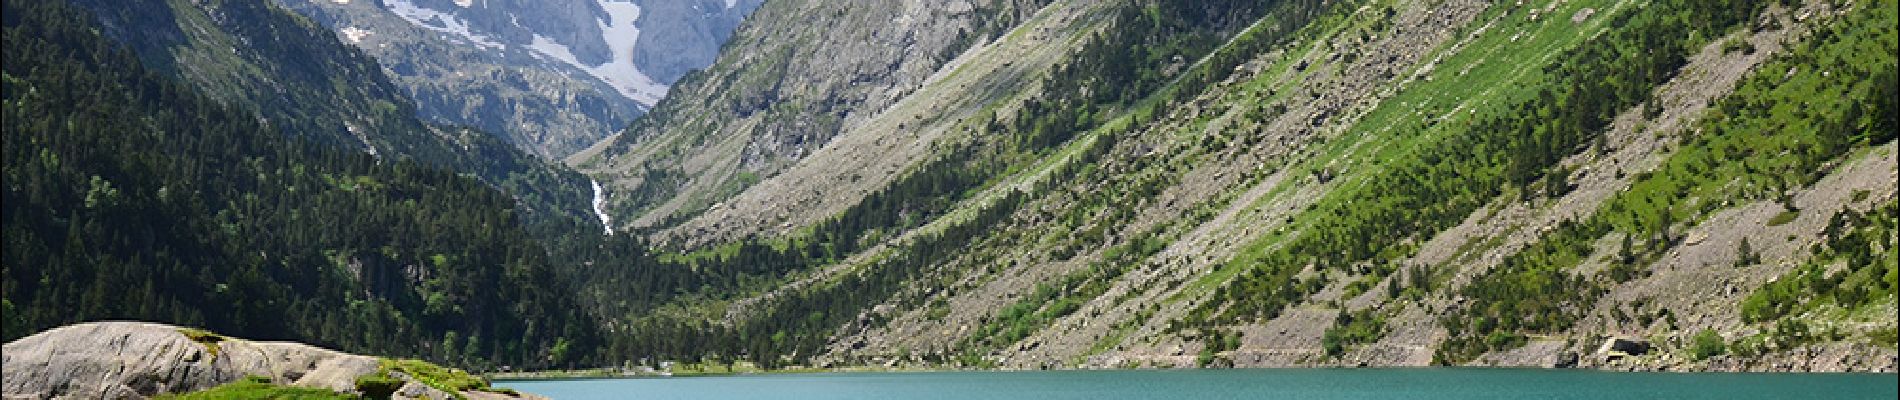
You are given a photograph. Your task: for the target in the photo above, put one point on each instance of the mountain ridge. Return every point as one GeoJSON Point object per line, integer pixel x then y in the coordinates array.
{"type": "Point", "coordinates": [549, 77]}
{"type": "Point", "coordinates": [1212, 221]}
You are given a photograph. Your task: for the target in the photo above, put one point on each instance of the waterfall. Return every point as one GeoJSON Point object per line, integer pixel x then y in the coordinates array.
{"type": "Point", "coordinates": [600, 207]}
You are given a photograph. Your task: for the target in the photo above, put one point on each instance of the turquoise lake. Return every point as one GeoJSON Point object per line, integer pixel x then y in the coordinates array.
{"type": "Point", "coordinates": [1419, 383]}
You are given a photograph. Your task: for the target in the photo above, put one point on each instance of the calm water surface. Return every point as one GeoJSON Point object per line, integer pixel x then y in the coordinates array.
{"type": "Point", "coordinates": [1422, 383]}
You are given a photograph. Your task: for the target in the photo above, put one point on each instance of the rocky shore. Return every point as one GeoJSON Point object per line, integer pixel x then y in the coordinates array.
{"type": "Point", "coordinates": [136, 360]}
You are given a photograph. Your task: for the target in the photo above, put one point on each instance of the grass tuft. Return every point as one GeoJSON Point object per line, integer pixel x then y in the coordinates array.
{"type": "Point", "coordinates": [207, 338]}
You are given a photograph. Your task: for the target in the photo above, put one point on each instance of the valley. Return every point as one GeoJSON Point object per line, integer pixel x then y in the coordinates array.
{"type": "Point", "coordinates": [793, 185]}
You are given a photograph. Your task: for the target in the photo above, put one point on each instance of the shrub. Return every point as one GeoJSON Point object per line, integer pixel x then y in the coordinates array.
{"type": "Point", "coordinates": [1709, 344]}
{"type": "Point", "coordinates": [203, 337]}
{"type": "Point", "coordinates": [378, 385]}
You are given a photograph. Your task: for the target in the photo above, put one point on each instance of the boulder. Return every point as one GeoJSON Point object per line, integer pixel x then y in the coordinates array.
{"type": "Point", "coordinates": [1621, 346]}
{"type": "Point", "coordinates": [136, 360]}
{"type": "Point", "coordinates": [119, 360]}
{"type": "Point", "coordinates": [1567, 359]}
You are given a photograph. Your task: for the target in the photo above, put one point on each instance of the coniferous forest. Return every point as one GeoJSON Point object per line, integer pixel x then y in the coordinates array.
{"type": "Point", "coordinates": [131, 196]}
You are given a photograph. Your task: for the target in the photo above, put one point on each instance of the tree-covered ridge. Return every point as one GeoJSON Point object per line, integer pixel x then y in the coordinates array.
{"type": "Point", "coordinates": [131, 196]}
{"type": "Point", "coordinates": [1461, 136]}
{"type": "Point", "coordinates": [1097, 83]}
{"type": "Point", "coordinates": [301, 80]}
{"type": "Point", "coordinates": [1056, 196]}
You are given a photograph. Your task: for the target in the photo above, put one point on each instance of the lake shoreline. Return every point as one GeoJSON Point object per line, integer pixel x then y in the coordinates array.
{"type": "Point", "coordinates": [1303, 383]}
{"type": "Point", "coordinates": [614, 373]}
{"type": "Point", "coordinates": [1809, 358]}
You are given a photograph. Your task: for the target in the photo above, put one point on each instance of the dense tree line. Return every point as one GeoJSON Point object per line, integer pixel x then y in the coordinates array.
{"type": "Point", "coordinates": [1148, 45]}
{"type": "Point", "coordinates": [128, 195]}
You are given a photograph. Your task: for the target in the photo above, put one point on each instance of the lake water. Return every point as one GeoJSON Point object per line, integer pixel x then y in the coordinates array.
{"type": "Point", "coordinates": [1420, 383]}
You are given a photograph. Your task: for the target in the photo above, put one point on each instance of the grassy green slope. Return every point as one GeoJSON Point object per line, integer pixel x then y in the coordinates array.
{"type": "Point", "coordinates": [1488, 120]}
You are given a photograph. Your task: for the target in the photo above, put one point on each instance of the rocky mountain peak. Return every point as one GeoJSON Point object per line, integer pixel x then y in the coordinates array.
{"type": "Point", "coordinates": [551, 76]}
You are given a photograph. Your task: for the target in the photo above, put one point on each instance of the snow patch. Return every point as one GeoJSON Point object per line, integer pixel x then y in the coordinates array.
{"type": "Point", "coordinates": [355, 34]}
{"type": "Point", "coordinates": [600, 207]}
{"type": "Point", "coordinates": [552, 49]}
{"type": "Point", "coordinates": [620, 34]}
{"type": "Point", "coordinates": [619, 71]}
{"type": "Point", "coordinates": [617, 30]}
{"type": "Point", "coordinates": [438, 21]}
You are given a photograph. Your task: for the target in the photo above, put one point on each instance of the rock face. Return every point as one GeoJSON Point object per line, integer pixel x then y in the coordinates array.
{"type": "Point", "coordinates": [1625, 346]}
{"type": "Point", "coordinates": [137, 359]}
{"type": "Point", "coordinates": [551, 76]}
{"type": "Point", "coordinates": [797, 75]}
{"type": "Point", "coordinates": [1565, 360]}
{"type": "Point", "coordinates": [133, 360]}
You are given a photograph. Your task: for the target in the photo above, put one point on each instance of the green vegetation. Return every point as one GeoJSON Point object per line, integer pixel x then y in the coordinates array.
{"type": "Point", "coordinates": [1783, 218]}
{"type": "Point", "coordinates": [1216, 342]}
{"type": "Point", "coordinates": [450, 380]}
{"type": "Point", "coordinates": [261, 388]}
{"type": "Point", "coordinates": [126, 182]}
{"type": "Point", "coordinates": [1888, 336]}
{"type": "Point", "coordinates": [204, 337]}
{"type": "Point", "coordinates": [1755, 145]}
{"type": "Point", "coordinates": [1043, 306]}
{"type": "Point", "coordinates": [1076, 99]}
{"type": "Point", "coordinates": [443, 378]}
{"type": "Point", "coordinates": [1869, 251]}
{"type": "Point", "coordinates": [1352, 328]}
{"type": "Point", "coordinates": [393, 256]}
{"type": "Point", "coordinates": [1510, 149]}
{"type": "Point", "coordinates": [1707, 344]}
{"type": "Point", "coordinates": [378, 385]}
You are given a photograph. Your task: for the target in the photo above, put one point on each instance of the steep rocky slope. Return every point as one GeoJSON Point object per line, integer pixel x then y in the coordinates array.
{"type": "Point", "coordinates": [549, 76]}
{"type": "Point", "coordinates": [1373, 182]}
{"type": "Point", "coordinates": [135, 360]}
{"type": "Point", "coordinates": [794, 76]}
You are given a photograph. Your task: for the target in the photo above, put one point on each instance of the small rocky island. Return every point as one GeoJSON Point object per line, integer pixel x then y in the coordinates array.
{"type": "Point", "coordinates": [136, 360]}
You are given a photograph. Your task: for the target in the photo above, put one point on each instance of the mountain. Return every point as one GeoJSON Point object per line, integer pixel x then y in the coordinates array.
{"type": "Point", "coordinates": [1614, 184]}
{"type": "Point", "coordinates": [1602, 183]}
{"type": "Point", "coordinates": [307, 83]}
{"type": "Point", "coordinates": [789, 80]}
{"type": "Point", "coordinates": [180, 193]}
{"type": "Point", "coordinates": [549, 76]}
